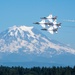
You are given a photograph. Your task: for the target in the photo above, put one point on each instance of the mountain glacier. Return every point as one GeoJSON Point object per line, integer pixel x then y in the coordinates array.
{"type": "Point", "coordinates": [28, 41]}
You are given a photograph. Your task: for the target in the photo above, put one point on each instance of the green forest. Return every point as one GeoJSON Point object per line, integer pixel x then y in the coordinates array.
{"type": "Point", "coordinates": [4, 70]}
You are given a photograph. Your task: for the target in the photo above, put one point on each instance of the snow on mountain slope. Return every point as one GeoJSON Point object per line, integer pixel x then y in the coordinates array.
{"type": "Point", "coordinates": [29, 40]}
{"type": "Point", "coordinates": [20, 29]}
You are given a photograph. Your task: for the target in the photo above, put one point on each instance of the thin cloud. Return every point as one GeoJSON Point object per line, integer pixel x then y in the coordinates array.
{"type": "Point", "coordinates": [69, 20]}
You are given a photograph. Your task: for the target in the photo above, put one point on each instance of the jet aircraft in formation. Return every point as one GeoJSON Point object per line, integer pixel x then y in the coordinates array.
{"type": "Point", "coordinates": [51, 25]}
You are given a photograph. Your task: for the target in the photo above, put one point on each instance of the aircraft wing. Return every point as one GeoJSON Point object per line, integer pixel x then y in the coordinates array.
{"type": "Point", "coordinates": [50, 16]}
{"type": "Point", "coordinates": [42, 21]}
{"type": "Point", "coordinates": [52, 32]}
{"type": "Point", "coordinates": [50, 20]}
{"type": "Point", "coordinates": [55, 26]}
{"type": "Point", "coordinates": [43, 25]}
{"type": "Point", "coordinates": [55, 22]}
{"type": "Point", "coordinates": [50, 28]}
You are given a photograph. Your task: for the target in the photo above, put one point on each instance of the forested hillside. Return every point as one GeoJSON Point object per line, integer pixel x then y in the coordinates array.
{"type": "Point", "coordinates": [37, 71]}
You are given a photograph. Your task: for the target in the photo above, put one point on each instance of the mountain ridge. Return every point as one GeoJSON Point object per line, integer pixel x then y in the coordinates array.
{"type": "Point", "coordinates": [23, 43]}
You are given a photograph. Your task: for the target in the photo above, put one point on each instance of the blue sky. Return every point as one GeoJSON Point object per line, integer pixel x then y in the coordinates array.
{"type": "Point", "coordinates": [25, 12]}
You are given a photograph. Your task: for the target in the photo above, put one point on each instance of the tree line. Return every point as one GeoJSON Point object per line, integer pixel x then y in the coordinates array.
{"type": "Point", "coordinates": [4, 70]}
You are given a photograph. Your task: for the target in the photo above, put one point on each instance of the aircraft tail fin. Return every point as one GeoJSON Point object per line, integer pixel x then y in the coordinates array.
{"type": "Point", "coordinates": [59, 24]}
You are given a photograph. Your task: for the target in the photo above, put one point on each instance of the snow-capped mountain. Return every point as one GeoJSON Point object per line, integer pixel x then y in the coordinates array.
{"type": "Point", "coordinates": [27, 43]}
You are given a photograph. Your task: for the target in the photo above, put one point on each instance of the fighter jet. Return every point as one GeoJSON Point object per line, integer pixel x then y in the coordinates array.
{"type": "Point", "coordinates": [51, 30]}
{"type": "Point", "coordinates": [50, 18]}
{"type": "Point", "coordinates": [54, 18]}
{"type": "Point", "coordinates": [42, 23]}
{"type": "Point", "coordinates": [58, 24]}
{"type": "Point", "coordinates": [53, 24]}
{"type": "Point", "coordinates": [45, 24]}
{"type": "Point", "coordinates": [50, 25]}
